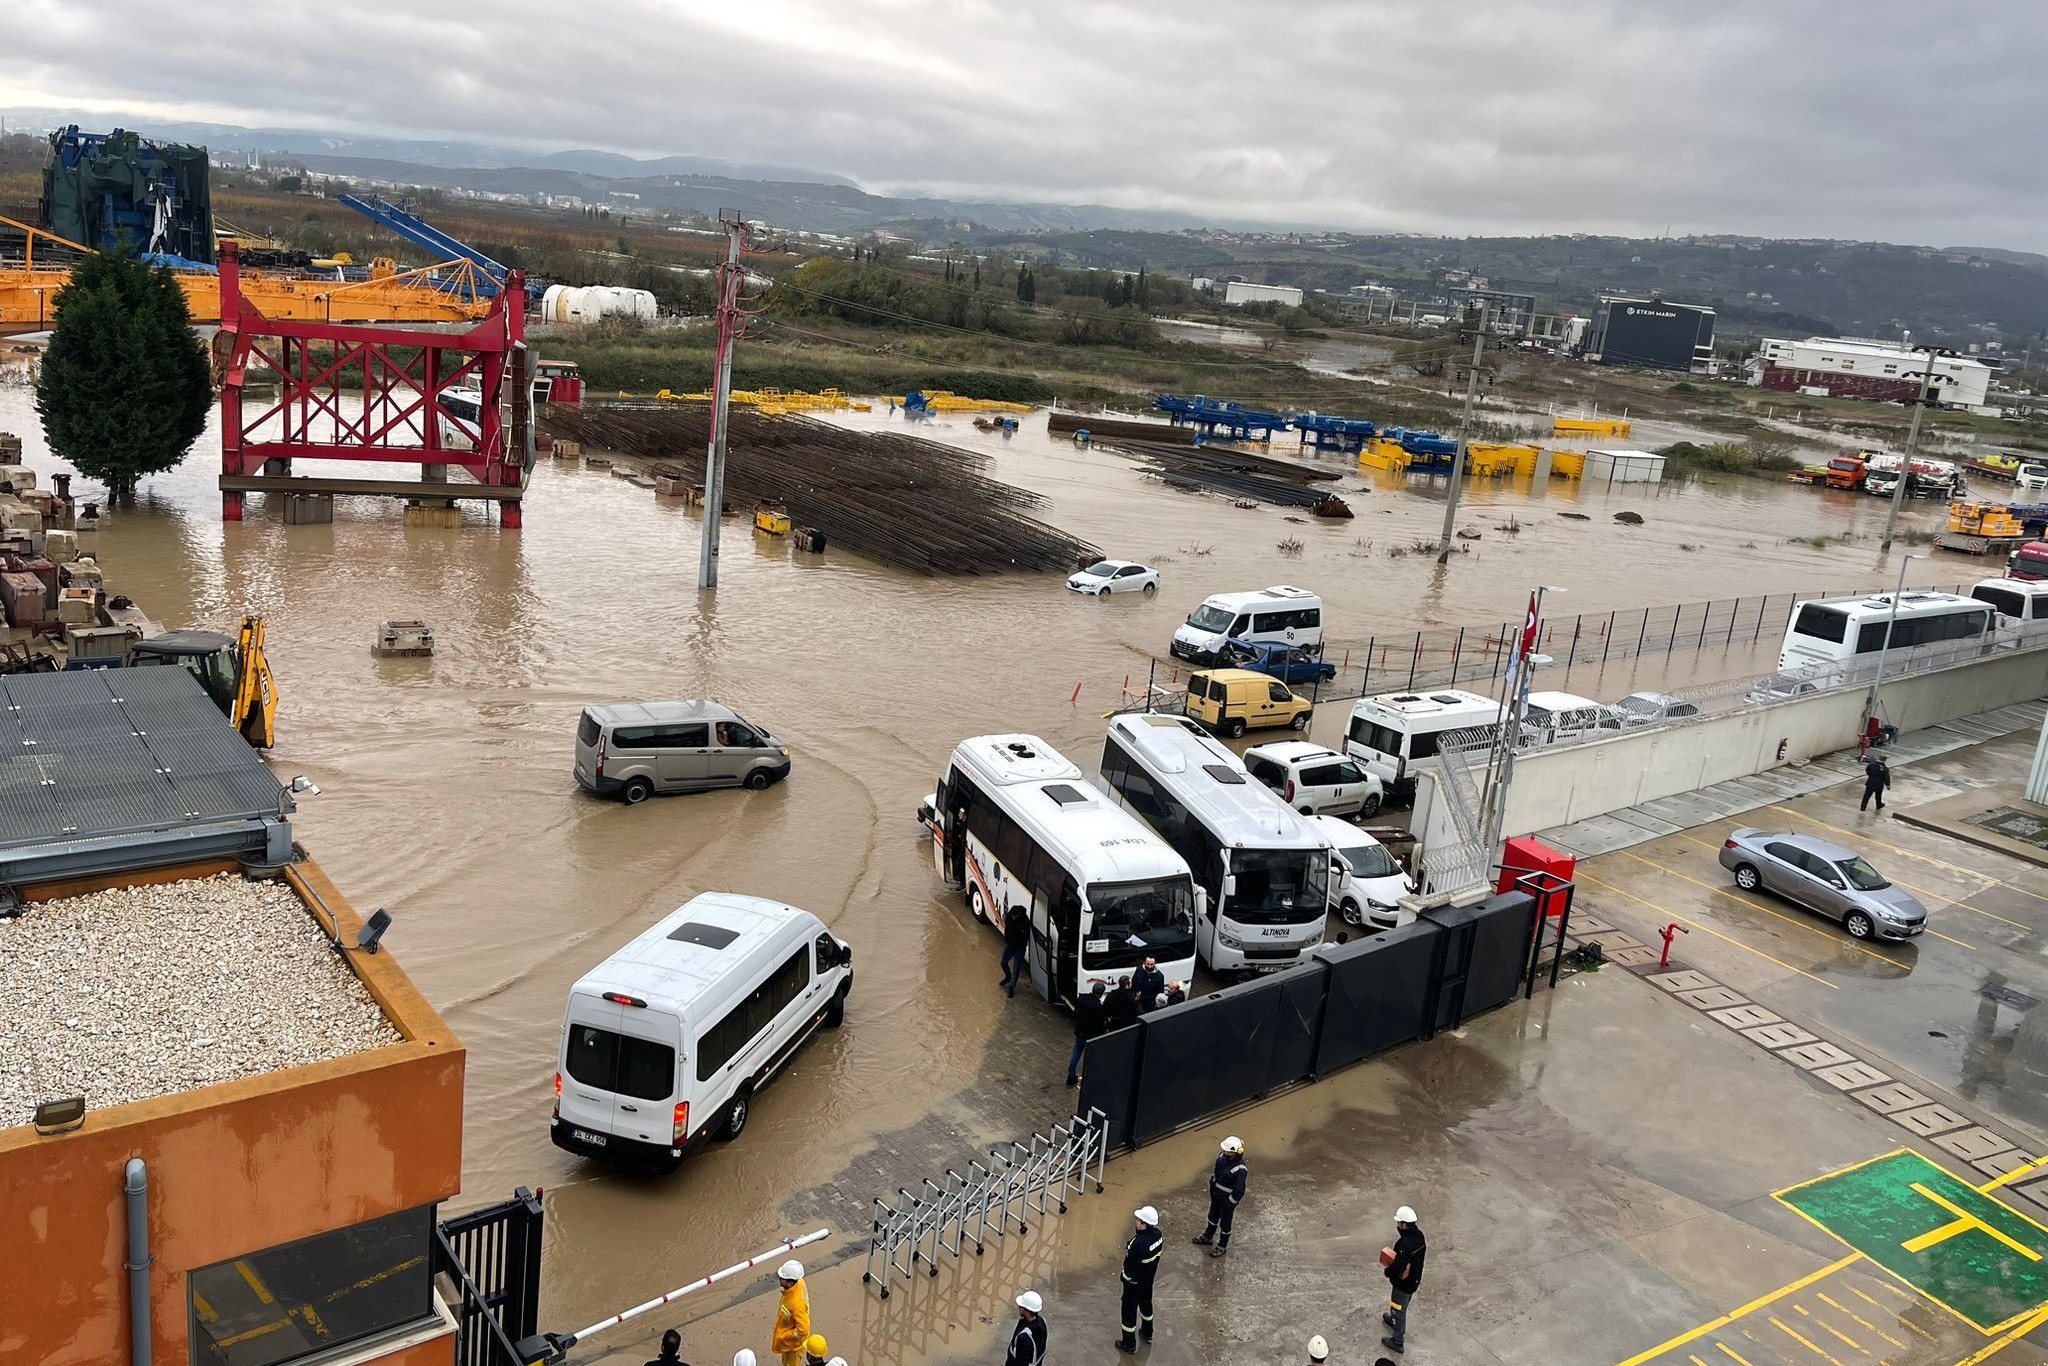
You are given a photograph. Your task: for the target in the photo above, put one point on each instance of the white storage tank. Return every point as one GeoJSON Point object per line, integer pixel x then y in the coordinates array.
{"type": "Point", "coordinates": [588, 303]}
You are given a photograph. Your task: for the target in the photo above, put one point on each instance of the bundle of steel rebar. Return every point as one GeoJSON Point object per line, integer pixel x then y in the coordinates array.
{"type": "Point", "coordinates": [1237, 474]}
{"type": "Point", "coordinates": [902, 500]}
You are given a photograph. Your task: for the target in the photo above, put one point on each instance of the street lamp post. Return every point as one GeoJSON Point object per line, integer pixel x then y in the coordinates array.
{"type": "Point", "coordinates": [1885, 648]}
{"type": "Point", "coordinates": [1443, 549]}
{"type": "Point", "coordinates": [1927, 378]}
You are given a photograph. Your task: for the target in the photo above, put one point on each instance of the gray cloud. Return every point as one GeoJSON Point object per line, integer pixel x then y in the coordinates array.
{"type": "Point", "coordinates": [1899, 121]}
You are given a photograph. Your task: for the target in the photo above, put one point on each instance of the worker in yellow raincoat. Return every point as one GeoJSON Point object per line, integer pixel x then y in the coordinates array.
{"type": "Point", "coordinates": [792, 1314]}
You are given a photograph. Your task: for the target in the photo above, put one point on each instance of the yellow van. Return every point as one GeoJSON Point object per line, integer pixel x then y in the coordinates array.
{"type": "Point", "coordinates": [1230, 701]}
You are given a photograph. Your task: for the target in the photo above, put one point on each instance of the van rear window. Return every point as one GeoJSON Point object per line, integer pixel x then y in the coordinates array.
{"type": "Point", "coordinates": [587, 730]}
{"type": "Point", "coordinates": [621, 1063]}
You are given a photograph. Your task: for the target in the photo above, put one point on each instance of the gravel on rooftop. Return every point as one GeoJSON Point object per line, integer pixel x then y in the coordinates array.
{"type": "Point", "coordinates": [144, 991]}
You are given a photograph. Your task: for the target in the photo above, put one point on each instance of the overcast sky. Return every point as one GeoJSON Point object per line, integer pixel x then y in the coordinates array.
{"type": "Point", "coordinates": [1902, 122]}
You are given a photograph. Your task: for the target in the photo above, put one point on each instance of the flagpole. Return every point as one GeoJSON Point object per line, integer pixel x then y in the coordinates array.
{"type": "Point", "coordinates": [1511, 729]}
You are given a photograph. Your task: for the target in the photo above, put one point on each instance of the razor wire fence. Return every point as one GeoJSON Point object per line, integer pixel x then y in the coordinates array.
{"type": "Point", "coordinates": [1018, 1183]}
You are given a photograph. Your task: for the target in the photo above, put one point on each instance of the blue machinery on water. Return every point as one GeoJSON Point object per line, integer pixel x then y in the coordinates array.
{"type": "Point", "coordinates": [1208, 415]}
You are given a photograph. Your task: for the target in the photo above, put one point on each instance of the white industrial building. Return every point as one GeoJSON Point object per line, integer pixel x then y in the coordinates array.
{"type": "Point", "coordinates": [1244, 292]}
{"type": "Point", "coordinates": [1859, 367]}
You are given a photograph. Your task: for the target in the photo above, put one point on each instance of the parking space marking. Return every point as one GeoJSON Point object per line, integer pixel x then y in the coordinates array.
{"type": "Point", "coordinates": [2012, 1336]}
{"type": "Point", "coordinates": [1758, 1303]}
{"type": "Point", "coordinates": [1913, 853]}
{"type": "Point", "coordinates": [1740, 900]}
{"type": "Point", "coordinates": [1585, 876]}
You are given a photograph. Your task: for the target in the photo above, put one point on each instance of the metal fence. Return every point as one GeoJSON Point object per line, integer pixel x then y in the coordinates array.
{"type": "Point", "coordinates": [493, 1257]}
{"type": "Point", "coordinates": [1025, 1181]}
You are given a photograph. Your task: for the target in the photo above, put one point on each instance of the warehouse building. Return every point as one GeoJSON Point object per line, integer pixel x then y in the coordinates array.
{"type": "Point", "coordinates": [1245, 292]}
{"type": "Point", "coordinates": [1651, 333]}
{"type": "Point", "coordinates": [1860, 367]}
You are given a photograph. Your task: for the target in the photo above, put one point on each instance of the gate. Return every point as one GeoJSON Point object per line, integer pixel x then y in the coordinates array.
{"type": "Point", "coordinates": [493, 1256]}
{"type": "Point", "coordinates": [1029, 1179]}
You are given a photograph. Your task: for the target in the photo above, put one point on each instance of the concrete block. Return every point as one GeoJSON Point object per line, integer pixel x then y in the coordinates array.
{"type": "Point", "coordinates": [308, 509]}
{"type": "Point", "coordinates": [403, 638]}
{"type": "Point", "coordinates": [446, 516]}
{"type": "Point", "coordinates": [20, 476]}
{"type": "Point", "coordinates": [78, 607]}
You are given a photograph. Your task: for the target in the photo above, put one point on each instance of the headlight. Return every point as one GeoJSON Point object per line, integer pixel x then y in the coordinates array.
{"type": "Point", "coordinates": [1229, 940]}
{"type": "Point", "coordinates": [1380, 905]}
{"type": "Point", "coordinates": [783, 750]}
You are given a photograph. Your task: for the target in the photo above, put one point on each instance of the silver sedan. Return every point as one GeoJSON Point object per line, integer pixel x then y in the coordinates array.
{"type": "Point", "coordinates": [1825, 877]}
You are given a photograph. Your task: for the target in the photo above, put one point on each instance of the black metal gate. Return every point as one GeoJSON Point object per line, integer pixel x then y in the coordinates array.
{"type": "Point", "coordinates": [493, 1256]}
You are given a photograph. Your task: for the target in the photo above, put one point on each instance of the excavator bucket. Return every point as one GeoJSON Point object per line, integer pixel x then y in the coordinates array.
{"type": "Point", "coordinates": [255, 709]}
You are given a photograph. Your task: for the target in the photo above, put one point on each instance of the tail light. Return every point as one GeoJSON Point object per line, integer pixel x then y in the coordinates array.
{"type": "Point", "coordinates": [682, 1124]}
{"type": "Point", "coordinates": [558, 1095]}
{"type": "Point", "coordinates": [1729, 844]}
{"type": "Point", "coordinates": [1290, 789]}
{"type": "Point", "coordinates": [600, 755]}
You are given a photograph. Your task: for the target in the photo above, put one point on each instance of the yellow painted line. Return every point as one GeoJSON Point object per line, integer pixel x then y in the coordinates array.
{"type": "Point", "coordinates": [1926, 892]}
{"type": "Point", "coordinates": [1829, 935]}
{"type": "Point", "coordinates": [1989, 881]}
{"type": "Point", "coordinates": [1937, 934]}
{"type": "Point", "coordinates": [1707, 929]}
{"type": "Point", "coordinates": [270, 1327]}
{"type": "Point", "coordinates": [1737, 1356]}
{"type": "Point", "coordinates": [205, 1309]}
{"type": "Point", "coordinates": [1964, 1221]}
{"type": "Point", "coordinates": [2014, 1175]}
{"type": "Point", "coordinates": [1846, 1338]}
{"type": "Point", "coordinates": [1779, 1324]}
{"type": "Point", "coordinates": [1693, 1357]}
{"type": "Point", "coordinates": [255, 1282]}
{"type": "Point", "coordinates": [1985, 1353]}
{"type": "Point", "coordinates": [1866, 1323]}
{"type": "Point", "coordinates": [1683, 1338]}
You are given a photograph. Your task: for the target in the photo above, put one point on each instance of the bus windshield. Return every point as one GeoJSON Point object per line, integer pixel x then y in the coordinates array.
{"type": "Point", "coordinates": [1279, 886]}
{"type": "Point", "coordinates": [1133, 921]}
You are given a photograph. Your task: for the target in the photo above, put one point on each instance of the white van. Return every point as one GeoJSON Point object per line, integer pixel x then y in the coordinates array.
{"type": "Point", "coordinates": [1395, 734]}
{"type": "Point", "coordinates": [665, 1042]}
{"type": "Point", "coordinates": [1561, 717]}
{"type": "Point", "coordinates": [1283, 613]}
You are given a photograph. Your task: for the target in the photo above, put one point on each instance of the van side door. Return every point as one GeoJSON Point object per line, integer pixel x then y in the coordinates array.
{"type": "Point", "coordinates": [1277, 702]}
{"type": "Point", "coordinates": [685, 754]}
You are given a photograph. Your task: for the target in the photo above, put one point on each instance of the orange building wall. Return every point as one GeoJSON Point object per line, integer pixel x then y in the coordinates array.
{"type": "Point", "coordinates": [233, 1168]}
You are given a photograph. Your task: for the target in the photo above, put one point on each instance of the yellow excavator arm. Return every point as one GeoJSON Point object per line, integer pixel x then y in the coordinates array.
{"type": "Point", "coordinates": [255, 710]}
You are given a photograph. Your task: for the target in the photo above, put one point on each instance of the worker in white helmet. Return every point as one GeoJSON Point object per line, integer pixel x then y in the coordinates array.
{"type": "Point", "coordinates": [1403, 1263]}
{"type": "Point", "coordinates": [1226, 1189]}
{"type": "Point", "coordinates": [1318, 1350]}
{"type": "Point", "coordinates": [792, 1314]}
{"type": "Point", "coordinates": [1141, 1268]}
{"type": "Point", "coordinates": [1027, 1339]}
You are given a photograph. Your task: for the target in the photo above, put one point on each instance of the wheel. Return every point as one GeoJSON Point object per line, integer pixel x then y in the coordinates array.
{"type": "Point", "coordinates": [1351, 913]}
{"type": "Point", "coordinates": [1307, 810]}
{"type": "Point", "coordinates": [975, 904]}
{"type": "Point", "coordinates": [636, 791]}
{"type": "Point", "coordinates": [1151, 588]}
{"type": "Point", "coordinates": [736, 1115]}
{"type": "Point", "coordinates": [1102, 592]}
{"type": "Point", "coordinates": [1370, 807]}
{"type": "Point", "coordinates": [1234, 727]}
{"type": "Point", "coordinates": [1858, 925]}
{"type": "Point", "coordinates": [1747, 878]}
{"type": "Point", "coordinates": [835, 1013]}
{"type": "Point", "coordinates": [1300, 722]}
{"type": "Point", "coordinates": [759, 779]}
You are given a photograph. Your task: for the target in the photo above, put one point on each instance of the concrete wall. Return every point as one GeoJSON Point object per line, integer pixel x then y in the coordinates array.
{"type": "Point", "coordinates": [1571, 783]}
{"type": "Point", "coordinates": [233, 1168]}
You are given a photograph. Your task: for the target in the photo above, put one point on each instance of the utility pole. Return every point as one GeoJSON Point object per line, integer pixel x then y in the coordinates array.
{"type": "Point", "coordinates": [1906, 460]}
{"type": "Point", "coordinates": [730, 277]}
{"type": "Point", "coordinates": [1443, 549]}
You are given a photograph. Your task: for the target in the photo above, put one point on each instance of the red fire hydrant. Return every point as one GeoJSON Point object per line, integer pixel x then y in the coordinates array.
{"type": "Point", "coordinates": [1674, 928]}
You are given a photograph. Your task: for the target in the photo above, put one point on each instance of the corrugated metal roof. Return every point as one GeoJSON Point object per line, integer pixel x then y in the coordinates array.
{"type": "Point", "coordinates": [112, 751]}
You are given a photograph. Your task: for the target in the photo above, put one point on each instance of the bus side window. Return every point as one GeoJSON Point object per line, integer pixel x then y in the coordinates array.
{"type": "Point", "coordinates": [1066, 909]}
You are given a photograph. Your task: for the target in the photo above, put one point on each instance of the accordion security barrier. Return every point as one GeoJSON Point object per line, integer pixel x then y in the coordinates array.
{"type": "Point", "coordinates": [1184, 1064]}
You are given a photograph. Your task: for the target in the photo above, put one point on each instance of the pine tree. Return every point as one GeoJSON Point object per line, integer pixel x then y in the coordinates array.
{"type": "Point", "coordinates": [124, 387]}
{"type": "Point", "coordinates": [1143, 294]}
{"type": "Point", "coordinates": [1027, 285]}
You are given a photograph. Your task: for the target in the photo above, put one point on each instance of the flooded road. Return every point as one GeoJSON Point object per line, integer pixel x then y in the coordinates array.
{"type": "Point", "coordinates": [447, 794]}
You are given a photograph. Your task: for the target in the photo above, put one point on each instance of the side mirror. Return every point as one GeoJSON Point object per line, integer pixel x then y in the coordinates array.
{"type": "Point", "coordinates": [1229, 885]}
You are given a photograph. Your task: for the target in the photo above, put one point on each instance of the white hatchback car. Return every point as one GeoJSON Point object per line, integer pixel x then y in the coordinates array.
{"type": "Point", "coordinates": [1315, 781]}
{"type": "Point", "coordinates": [1370, 884]}
{"type": "Point", "coordinates": [1114, 576]}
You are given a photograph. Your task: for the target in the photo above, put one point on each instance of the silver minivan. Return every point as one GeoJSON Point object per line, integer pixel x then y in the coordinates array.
{"type": "Point", "coordinates": [633, 750]}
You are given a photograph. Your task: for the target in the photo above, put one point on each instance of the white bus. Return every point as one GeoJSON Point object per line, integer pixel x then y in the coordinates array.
{"type": "Point", "coordinates": [1263, 871]}
{"type": "Point", "coordinates": [1848, 630]}
{"type": "Point", "coordinates": [1395, 734]}
{"type": "Point", "coordinates": [1015, 823]}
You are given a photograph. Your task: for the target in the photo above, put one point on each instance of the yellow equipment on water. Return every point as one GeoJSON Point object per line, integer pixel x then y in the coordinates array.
{"type": "Point", "coordinates": [236, 674]}
{"type": "Point", "coordinates": [772, 518]}
{"type": "Point", "coordinates": [1984, 519]}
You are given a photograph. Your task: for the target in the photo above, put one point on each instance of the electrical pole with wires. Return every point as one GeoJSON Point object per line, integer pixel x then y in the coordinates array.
{"type": "Point", "coordinates": [1443, 550]}
{"type": "Point", "coordinates": [730, 278]}
{"type": "Point", "coordinates": [1927, 380]}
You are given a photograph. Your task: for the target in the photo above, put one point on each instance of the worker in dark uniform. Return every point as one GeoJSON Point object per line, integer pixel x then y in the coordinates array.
{"type": "Point", "coordinates": [1027, 1339]}
{"type": "Point", "coordinates": [1404, 1275]}
{"type": "Point", "coordinates": [1148, 983]}
{"type": "Point", "coordinates": [671, 1350]}
{"type": "Point", "coordinates": [1090, 1013]}
{"type": "Point", "coordinates": [1877, 776]}
{"type": "Point", "coordinates": [1120, 1008]}
{"type": "Point", "coordinates": [1141, 1267]}
{"type": "Point", "coordinates": [1226, 1189]}
{"type": "Point", "coordinates": [1016, 935]}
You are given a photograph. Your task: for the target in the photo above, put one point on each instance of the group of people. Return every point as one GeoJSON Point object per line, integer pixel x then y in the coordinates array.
{"type": "Point", "coordinates": [1102, 1009]}
{"type": "Point", "coordinates": [792, 1339]}
{"type": "Point", "coordinates": [1401, 1263]}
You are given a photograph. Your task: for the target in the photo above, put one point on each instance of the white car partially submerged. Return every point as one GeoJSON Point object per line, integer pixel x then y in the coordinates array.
{"type": "Point", "coordinates": [1114, 576]}
{"type": "Point", "coordinates": [1370, 884]}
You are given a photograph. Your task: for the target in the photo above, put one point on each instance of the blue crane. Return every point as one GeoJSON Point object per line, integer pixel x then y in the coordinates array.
{"type": "Point", "coordinates": [429, 238]}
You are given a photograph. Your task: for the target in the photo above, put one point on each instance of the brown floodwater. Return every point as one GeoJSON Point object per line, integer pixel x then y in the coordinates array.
{"type": "Point", "coordinates": [447, 794]}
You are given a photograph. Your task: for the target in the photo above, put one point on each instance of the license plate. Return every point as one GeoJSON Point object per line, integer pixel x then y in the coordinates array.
{"type": "Point", "coordinates": [1916, 929]}
{"type": "Point", "coordinates": [594, 1140]}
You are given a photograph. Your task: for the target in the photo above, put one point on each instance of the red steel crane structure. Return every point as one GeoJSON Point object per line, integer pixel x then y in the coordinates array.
{"type": "Point", "coordinates": [395, 395]}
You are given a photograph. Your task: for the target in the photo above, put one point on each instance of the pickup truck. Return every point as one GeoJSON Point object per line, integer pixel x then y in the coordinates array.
{"type": "Point", "coordinates": [1288, 663]}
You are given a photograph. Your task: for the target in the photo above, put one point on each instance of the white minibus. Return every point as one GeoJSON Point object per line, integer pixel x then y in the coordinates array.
{"type": "Point", "coordinates": [665, 1042]}
{"type": "Point", "coordinates": [1396, 734]}
{"type": "Point", "coordinates": [1281, 613]}
{"type": "Point", "coordinates": [1015, 823]}
{"type": "Point", "coordinates": [1264, 871]}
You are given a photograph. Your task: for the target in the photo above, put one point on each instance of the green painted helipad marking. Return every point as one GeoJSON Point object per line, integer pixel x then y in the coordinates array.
{"type": "Point", "coordinates": [1983, 1261]}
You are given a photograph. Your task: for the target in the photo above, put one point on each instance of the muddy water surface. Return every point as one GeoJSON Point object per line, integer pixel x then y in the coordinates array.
{"type": "Point", "coordinates": [447, 794]}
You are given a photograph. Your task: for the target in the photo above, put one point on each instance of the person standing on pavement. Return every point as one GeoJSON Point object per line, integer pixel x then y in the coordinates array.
{"type": "Point", "coordinates": [817, 1352]}
{"type": "Point", "coordinates": [1226, 1189]}
{"type": "Point", "coordinates": [1027, 1339]}
{"type": "Point", "coordinates": [1121, 1007]}
{"type": "Point", "coordinates": [1141, 1268]}
{"type": "Point", "coordinates": [1404, 1275]}
{"type": "Point", "coordinates": [671, 1350]}
{"type": "Point", "coordinates": [1148, 983]}
{"type": "Point", "coordinates": [1016, 935]}
{"type": "Point", "coordinates": [1089, 1013]}
{"type": "Point", "coordinates": [1877, 776]}
{"type": "Point", "coordinates": [792, 1314]}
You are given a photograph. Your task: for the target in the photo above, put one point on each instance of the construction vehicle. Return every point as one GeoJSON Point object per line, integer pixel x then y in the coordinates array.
{"type": "Point", "coordinates": [235, 673]}
{"type": "Point", "coordinates": [1929, 478]}
{"type": "Point", "coordinates": [1984, 528]}
{"type": "Point", "coordinates": [1841, 472]}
